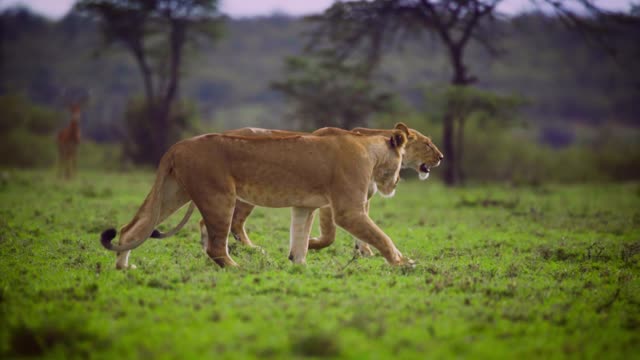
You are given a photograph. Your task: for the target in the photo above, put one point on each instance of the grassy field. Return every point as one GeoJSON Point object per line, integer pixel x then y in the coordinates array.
{"type": "Point", "coordinates": [502, 272]}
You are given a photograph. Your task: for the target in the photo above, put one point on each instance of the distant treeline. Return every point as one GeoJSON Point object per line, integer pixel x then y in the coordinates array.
{"type": "Point", "coordinates": [562, 77]}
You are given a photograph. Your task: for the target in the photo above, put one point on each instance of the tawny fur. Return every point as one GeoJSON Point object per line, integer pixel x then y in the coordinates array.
{"type": "Point", "coordinates": [300, 171]}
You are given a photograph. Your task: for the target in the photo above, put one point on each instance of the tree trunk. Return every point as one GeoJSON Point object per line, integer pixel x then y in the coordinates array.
{"type": "Point", "coordinates": [163, 115]}
{"type": "Point", "coordinates": [453, 168]}
{"type": "Point", "coordinates": [151, 104]}
{"type": "Point", "coordinates": [448, 149]}
{"type": "Point", "coordinates": [146, 74]}
{"type": "Point", "coordinates": [176, 41]}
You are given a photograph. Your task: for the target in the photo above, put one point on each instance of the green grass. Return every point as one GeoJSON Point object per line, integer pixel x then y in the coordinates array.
{"type": "Point", "coordinates": [546, 272]}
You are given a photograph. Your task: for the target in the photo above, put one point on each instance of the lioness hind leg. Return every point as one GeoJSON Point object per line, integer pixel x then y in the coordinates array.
{"type": "Point", "coordinates": [327, 230]}
{"type": "Point", "coordinates": [217, 212]}
{"type": "Point", "coordinates": [240, 214]}
{"type": "Point", "coordinates": [153, 211]}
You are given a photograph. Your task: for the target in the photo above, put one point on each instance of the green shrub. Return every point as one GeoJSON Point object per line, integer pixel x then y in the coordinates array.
{"type": "Point", "coordinates": [22, 149]}
{"type": "Point", "coordinates": [18, 112]}
{"type": "Point", "coordinates": [44, 121]}
{"type": "Point", "coordinates": [27, 138]}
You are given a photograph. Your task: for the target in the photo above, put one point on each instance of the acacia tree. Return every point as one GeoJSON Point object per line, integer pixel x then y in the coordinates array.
{"type": "Point", "coordinates": [328, 92]}
{"type": "Point", "coordinates": [464, 102]}
{"type": "Point", "coordinates": [363, 28]}
{"type": "Point", "coordinates": [155, 33]}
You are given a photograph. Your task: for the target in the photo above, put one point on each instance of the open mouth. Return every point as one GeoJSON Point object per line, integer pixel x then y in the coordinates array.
{"type": "Point", "coordinates": [424, 171]}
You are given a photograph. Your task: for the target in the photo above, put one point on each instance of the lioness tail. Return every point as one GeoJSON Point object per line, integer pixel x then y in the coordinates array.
{"type": "Point", "coordinates": [156, 234]}
{"type": "Point", "coordinates": [108, 235]}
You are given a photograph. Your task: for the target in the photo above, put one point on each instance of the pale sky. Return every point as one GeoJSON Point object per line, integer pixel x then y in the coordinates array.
{"type": "Point", "coordinates": [240, 8]}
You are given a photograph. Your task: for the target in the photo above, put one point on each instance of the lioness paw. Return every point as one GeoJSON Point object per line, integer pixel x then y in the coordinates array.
{"type": "Point", "coordinates": [408, 262]}
{"type": "Point", "coordinates": [224, 261]}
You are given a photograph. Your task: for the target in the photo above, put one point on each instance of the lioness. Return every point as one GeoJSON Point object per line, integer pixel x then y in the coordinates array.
{"type": "Point", "coordinates": [420, 154]}
{"type": "Point", "coordinates": [304, 172]}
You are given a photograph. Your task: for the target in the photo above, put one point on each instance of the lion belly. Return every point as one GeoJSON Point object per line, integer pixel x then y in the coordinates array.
{"type": "Point", "coordinates": [282, 180]}
{"type": "Point", "coordinates": [274, 195]}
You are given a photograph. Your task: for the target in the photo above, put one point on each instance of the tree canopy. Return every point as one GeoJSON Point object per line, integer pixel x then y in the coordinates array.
{"type": "Point", "coordinates": [155, 33]}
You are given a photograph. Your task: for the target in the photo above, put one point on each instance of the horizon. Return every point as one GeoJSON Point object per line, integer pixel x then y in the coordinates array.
{"type": "Point", "coordinates": [241, 9]}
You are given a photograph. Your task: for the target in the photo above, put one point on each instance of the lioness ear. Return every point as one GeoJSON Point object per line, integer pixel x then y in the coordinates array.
{"type": "Point", "coordinates": [398, 139]}
{"type": "Point", "coordinates": [403, 127]}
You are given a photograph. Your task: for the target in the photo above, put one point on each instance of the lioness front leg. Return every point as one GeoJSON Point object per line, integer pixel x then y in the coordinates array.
{"type": "Point", "coordinates": [362, 227]}
{"type": "Point", "coordinates": [362, 247]}
{"type": "Point", "coordinates": [301, 219]}
{"type": "Point", "coordinates": [328, 233]}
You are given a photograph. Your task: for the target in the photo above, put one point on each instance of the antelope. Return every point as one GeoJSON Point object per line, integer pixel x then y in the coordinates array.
{"type": "Point", "coordinates": [68, 140]}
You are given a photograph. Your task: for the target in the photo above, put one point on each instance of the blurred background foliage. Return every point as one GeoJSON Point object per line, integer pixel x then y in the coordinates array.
{"type": "Point", "coordinates": [136, 130]}
{"type": "Point", "coordinates": [327, 92]}
{"type": "Point", "coordinates": [27, 137]}
{"type": "Point", "coordinates": [549, 106]}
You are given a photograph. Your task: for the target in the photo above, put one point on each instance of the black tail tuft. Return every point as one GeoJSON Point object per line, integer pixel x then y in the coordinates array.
{"type": "Point", "coordinates": [156, 234]}
{"type": "Point", "coordinates": [107, 236]}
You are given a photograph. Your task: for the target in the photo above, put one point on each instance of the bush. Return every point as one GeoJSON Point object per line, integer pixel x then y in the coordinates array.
{"type": "Point", "coordinates": [27, 138]}
{"type": "Point", "coordinates": [17, 112]}
{"type": "Point", "coordinates": [43, 121]}
{"type": "Point", "coordinates": [20, 148]}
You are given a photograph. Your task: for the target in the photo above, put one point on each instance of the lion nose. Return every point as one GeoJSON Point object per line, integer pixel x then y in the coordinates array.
{"type": "Point", "coordinates": [440, 157]}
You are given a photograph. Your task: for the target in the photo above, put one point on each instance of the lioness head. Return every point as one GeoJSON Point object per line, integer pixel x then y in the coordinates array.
{"type": "Point", "coordinates": [387, 174]}
{"type": "Point", "coordinates": [420, 153]}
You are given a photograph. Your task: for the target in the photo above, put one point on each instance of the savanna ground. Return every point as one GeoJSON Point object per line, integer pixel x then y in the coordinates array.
{"type": "Point", "coordinates": [551, 271]}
